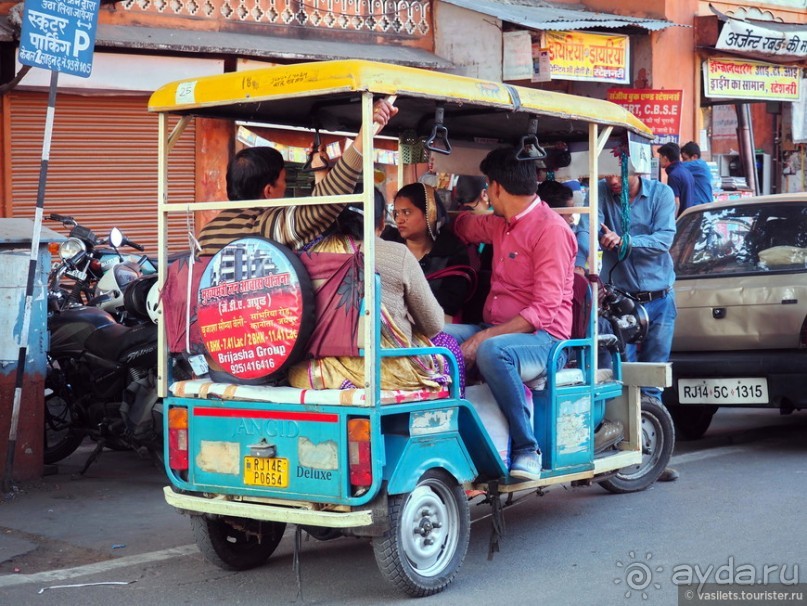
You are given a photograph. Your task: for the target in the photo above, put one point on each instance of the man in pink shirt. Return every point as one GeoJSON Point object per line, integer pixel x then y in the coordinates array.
{"type": "Point", "coordinates": [529, 307]}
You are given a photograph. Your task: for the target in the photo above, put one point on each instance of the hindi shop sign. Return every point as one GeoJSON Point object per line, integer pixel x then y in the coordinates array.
{"type": "Point", "coordinates": [59, 35]}
{"type": "Point", "coordinates": [729, 78]}
{"type": "Point", "coordinates": [660, 110]}
{"type": "Point", "coordinates": [745, 37]}
{"type": "Point", "coordinates": [589, 57]}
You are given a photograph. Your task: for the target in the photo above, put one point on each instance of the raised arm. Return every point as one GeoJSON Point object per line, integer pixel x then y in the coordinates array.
{"type": "Point", "coordinates": [302, 224]}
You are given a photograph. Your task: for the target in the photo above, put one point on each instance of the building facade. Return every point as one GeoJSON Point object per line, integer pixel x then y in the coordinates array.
{"type": "Point", "coordinates": [104, 152]}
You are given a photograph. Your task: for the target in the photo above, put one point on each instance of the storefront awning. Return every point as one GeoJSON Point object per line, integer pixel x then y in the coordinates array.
{"type": "Point", "coordinates": [270, 48]}
{"type": "Point", "coordinates": [548, 16]}
{"type": "Point", "coordinates": [260, 46]}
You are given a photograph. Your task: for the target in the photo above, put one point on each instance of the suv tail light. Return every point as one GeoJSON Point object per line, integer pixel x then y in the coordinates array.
{"type": "Point", "coordinates": [178, 438]}
{"type": "Point", "coordinates": [361, 467]}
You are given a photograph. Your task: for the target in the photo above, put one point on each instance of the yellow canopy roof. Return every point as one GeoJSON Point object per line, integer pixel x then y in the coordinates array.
{"type": "Point", "coordinates": [314, 92]}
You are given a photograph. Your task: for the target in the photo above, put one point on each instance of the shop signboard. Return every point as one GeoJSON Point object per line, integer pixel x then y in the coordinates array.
{"type": "Point", "coordinates": [517, 55]}
{"type": "Point", "coordinates": [724, 123]}
{"type": "Point", "coordinates": [59, 35]}
{"type": "Point", "coordinates": [745, 37]}
{"type": "Point", "coordinates": [589, 57]}
{"type": "Point", "coordinates": [732, 78]}
{"type": "Point", "coordinates": [660, 110]}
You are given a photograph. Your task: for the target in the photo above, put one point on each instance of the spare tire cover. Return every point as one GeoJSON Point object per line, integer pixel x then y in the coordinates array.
{"type": "Point", "coordinates": [255, 311]}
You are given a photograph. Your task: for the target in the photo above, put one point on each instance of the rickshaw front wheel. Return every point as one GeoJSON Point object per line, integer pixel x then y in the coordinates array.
{"type": "Point", "coordinates": [429, 530]}
{"type": "Point", "coordinates": [657, 439]}
{"type": "Point", "coordinates": [236, 543]}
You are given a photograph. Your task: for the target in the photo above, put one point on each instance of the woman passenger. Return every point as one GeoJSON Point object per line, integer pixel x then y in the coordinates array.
{"type": "Point", "coordinates": [471, 193]}
{"type": "Point", "coordinates": [410, 315]}
{"type": "Point", "coordinates": [421, 218]}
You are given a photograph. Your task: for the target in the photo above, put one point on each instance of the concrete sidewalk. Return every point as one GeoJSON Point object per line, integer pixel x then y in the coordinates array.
{"type": "Point", "coordinates": [64, 520]}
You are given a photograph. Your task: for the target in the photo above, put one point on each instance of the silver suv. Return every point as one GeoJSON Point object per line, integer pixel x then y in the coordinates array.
{"type": "Point", "coordinates": [741, 291]}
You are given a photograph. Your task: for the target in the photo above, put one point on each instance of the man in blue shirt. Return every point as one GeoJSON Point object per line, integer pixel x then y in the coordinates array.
{"type": "Point", "coordinates": [701, 175]}
{"type": "Point", "coordinates": [678, 178]}
{"type": "Point", "coordinates": [647, 272]}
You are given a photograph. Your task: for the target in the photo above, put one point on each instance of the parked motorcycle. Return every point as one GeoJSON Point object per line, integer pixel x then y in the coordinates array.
{"type": "Point", "coordinates": [101, 382]}
{"type": "Point", "coordinates": [99, 274]}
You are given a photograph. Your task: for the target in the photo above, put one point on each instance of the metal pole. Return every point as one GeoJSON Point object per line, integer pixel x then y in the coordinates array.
{"type": "Point", "coordinates": [746, 144]}
{"type": "Point", "coordinates": [752, 144]}
{"type": "Point", "coordinates": [8, 481]}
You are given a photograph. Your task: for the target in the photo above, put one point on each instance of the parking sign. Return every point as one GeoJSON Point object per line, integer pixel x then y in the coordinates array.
{"type": "Point", "coordinates": [59, 35]}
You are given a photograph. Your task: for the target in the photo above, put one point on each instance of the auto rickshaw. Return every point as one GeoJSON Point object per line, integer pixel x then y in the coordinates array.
{"type": "Point", "coordinates": [245, 457]}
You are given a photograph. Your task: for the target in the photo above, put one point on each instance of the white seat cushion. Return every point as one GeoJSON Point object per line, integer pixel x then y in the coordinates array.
{"type": "Point", "coordinates": [570, 376]}
{"type": "Point", "coordinates": [293, 395]}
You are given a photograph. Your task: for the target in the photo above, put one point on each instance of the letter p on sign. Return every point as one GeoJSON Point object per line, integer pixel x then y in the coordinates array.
{"type": "Point", "coordinates": [81, 42]}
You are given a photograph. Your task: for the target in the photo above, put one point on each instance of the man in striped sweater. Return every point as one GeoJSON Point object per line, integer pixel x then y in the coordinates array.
{"type": "Point", "coordinates": [258, 172]}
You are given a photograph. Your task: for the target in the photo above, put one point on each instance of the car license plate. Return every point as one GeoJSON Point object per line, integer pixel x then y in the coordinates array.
{"type": "Point", "coordinates": [723, 391]}
{"type": "Point", "coordinates": [269, 473]}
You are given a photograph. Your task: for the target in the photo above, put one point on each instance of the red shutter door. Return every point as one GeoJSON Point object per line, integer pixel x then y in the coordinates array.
{"type": "Point", "coordinates": [103, 165]}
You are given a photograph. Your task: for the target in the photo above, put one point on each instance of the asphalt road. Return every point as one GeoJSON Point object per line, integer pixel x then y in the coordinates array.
{"type": "Point", "coordinates": [738, 505]}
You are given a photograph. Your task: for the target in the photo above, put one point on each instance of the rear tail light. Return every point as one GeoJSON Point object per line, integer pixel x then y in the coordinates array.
{"type": "Point", "coordinates": [178, 438]}
{"type": "Point", "coordinates": [361, 468]}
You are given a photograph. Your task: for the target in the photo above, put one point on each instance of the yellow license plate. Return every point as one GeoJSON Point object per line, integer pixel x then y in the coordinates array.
{"type": "Point", "coordinates": [269, 473]}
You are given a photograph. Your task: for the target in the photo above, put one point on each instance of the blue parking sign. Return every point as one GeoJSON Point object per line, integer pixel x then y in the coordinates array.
{"type": "Point", "coordinates": [59, 35]}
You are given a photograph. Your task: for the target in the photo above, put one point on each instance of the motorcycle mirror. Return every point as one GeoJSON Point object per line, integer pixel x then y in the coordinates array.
{"type": "Point", "coordinates": [116, 237]}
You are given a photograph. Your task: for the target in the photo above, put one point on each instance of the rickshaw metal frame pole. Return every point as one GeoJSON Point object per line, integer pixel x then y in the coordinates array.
{"type": "Point", "coordinates": [596, 144]}
{"type": "Point", "coordinates": [164, 144]}
{"type": "Point", "coordinates": [372, 363]}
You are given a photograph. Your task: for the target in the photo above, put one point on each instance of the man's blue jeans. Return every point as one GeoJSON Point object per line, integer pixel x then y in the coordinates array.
{"type": "Point", "coordinates": [505, 362]}
{"type": "Point", "coordinates": [657, 344]}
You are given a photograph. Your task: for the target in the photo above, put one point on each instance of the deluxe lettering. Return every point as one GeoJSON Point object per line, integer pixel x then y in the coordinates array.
{"type": "Point", "coordinates": [314, 474]}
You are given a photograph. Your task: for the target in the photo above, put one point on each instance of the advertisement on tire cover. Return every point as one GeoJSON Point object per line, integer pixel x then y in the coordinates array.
{"type": "Point", "coordinates": [250, 308]}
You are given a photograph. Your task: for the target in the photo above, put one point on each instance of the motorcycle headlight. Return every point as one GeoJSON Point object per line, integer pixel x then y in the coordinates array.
{"type": "Point", "coordinates": [70, 248]}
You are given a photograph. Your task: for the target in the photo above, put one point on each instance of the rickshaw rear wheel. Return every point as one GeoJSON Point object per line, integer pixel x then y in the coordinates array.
{"type": "Point", "coordinates": [429, 530]}
{"type": "Point", "coordinates": [236, 543]}
{"type": "Point", "coordinates": [658, 440]}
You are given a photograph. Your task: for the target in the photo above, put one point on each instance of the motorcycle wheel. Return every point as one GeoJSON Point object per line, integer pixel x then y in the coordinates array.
{"type": "Point", "coordinates": [236, 543]}
{"type": "Point", "coordinates": [658, 440]}
{"type": "Point", "coordinates": [61, 438]}
{"type": "Point", "coordinates": [429, 530]}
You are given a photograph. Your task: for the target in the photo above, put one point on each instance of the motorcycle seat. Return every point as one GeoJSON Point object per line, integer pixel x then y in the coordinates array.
{"type": "Point", "coordinates": [116, 342]}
